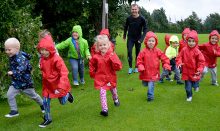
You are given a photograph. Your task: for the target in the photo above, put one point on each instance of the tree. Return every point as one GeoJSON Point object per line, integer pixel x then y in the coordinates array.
{"type": "Point", "coordinates": [212, 22]}
{"type": "Point", "coordinates": [193, 22]}
{"type": "Point", "coordinates": [16, 21]}
{"type": "Point", "coordinates": [160, 20]}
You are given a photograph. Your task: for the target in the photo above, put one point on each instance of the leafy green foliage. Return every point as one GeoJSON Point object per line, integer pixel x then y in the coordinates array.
{"type": "Point", "coordinates": [18, 22]}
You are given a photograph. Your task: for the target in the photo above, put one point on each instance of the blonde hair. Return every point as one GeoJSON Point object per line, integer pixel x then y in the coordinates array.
{"type": "Point", "coordinates": [12, 42]}
{"type": "Point", "coordinates": [43, 33]}
{"type": "Point", "coordinates": [102, 39]}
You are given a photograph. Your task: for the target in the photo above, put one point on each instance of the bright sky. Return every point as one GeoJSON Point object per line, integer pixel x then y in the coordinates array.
{"type": "Point", "coordinates": [181, 9]}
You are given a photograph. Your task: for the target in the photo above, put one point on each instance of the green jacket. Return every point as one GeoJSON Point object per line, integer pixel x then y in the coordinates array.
{"type": "Point", "coordinates": [171, 52]}
{"type": "Point", "coordinates": [72, 52]}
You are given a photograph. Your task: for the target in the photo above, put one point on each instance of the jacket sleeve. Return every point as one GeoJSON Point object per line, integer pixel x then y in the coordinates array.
{"type": "Point", "coordinates": [140, 62]}
{"type": "Point", "coordinates": [86, 48]}
{"type": "Point", "coordinates": [63, 44]}
{"type": "Point", "coordinates": [92, 67]}
{"type": "Point", "coordinates": [179, 58]}
{"type": "Point", "coordinates": [201, 62]}
{"type": "Point", "coordinates": [168, 52]}
{"type": "Point", "coordinates": [63, 73]}
{"type": "Point", "coordinates": [125, 28]}
{"type": "Point", "coordinates": [144, 27]}
{"type": "Point", "coordinates": [165, 60]}
{"type": "Point", "coordinates": [217, 52]}
{"type": "Point", "coordinates": [115, 62]}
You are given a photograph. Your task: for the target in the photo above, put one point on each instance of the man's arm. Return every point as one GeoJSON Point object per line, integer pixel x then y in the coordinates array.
{"type": "Point", "coordinates": [125, 29]}
{"type": "Point", "coordinates": [144, 30]}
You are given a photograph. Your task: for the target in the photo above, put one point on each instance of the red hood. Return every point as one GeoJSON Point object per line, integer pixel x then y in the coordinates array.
{"type": "Point", "coordinates": [47, 43]}
{"type": "Point", "coordinates": [185, 31]}
{"type": "Point", "coordinates": [194, 35]}
{"type": "Point", "coordinates": [167, 38]}
{"type": "Point", "coordinates": [148, 36]}
{"type": "Point", "coordinates": [105, 32]}
{"type": "Point", "coordinates": [214, 32]}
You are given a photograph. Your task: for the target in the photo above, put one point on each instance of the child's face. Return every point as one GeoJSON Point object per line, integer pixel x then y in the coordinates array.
{"type": "Point", "coordinates": [44, 52]}
{"type": "Point", "coordinates": [11, 50]}
{"type": "Point", "coordinates": [75, 35]}
{"type": "Point", "coordinates": [184, 36]}
{"type": "Point", "coordinates": [214, 39]}
{"type": "Point", "coordinates": [191, 42]}
{"type": "Point", "coordinates": [151, 42]}
{"type": "Point", "coordinates": [174, 44]}
{"type": "Point", "coordinates": [103, 47]}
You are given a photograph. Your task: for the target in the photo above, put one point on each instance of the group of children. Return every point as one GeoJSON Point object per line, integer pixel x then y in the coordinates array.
{"type": "Point", "coordinates": [185, 56]}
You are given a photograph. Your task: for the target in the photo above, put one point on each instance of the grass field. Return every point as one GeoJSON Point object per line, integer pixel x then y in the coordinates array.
{"type": "Point", "coordinates": [169, 111]}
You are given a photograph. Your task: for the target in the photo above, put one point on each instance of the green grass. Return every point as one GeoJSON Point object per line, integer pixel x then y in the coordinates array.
{"type": "Point", "coordinates": [169, 110]}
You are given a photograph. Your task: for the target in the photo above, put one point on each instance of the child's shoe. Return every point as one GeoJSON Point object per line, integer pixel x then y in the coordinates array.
{"type": "Point", "coordinates": [42, 109]}
{"type": "Point", "coordinates": [135, 70]}
{"type": "Point", "coordinates": [117, 102]}
{"type": "Point", "coordinates": [189, 99]}
{"type": "Point", "coordinates": [82, 82]}
{"type": "Point", "coordinates": [70, 98]}
{"type": "Point", "coordinates": [75, 83]}
{"type": "Point", "coordinates": [130, 70]}
{"type": "Point", "coordinates": [215, 84]}
{"type": "Point", "coordinates": [168, 79]}
{"type": "Point", "coordinates": [196, 89]}
{"type": "Point", "coordinates": [150, 99]}
{"type": "Point", "coordinates": [45, 123]}
{"type": "Point", "coordinates": [161, 80]}
{"type": "Point", "coordinates": [179, 82]}
{"type": "Point", "coordinates": [104, 113]}
{"type": "Point", "coordinates": [12, 114]}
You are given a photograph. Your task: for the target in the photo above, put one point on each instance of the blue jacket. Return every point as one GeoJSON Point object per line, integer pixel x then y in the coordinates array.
{"type": "Point", "coordinates": [21, 68]}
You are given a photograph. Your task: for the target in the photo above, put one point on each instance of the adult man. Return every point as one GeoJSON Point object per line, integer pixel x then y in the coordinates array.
{"type": "Point", "coordinates": [136, 27]}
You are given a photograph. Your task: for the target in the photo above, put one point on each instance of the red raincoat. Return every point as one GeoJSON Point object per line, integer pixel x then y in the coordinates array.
{"type": "Point", "coordinates": [210, 51]}
{"type": "Point", "coordinates": [54, 71]}
{"type": "Point", "coordinates": [167, 38]}
{"type": "Point", "coordinates": [192, 59]}
{"type": "Point", "coordinates": [148, 61]}
{"type": "Point", "coordinates": [103, 69]}
{"type": "Point", "coordinates": [183, 43]}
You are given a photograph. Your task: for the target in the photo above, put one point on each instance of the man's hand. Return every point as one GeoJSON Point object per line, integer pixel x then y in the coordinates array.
{"type": "Point", "coordinates": [180, 65]}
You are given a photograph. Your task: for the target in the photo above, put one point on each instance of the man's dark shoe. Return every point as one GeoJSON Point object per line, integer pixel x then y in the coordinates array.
{"type": "Point", "coordinates": [11, 114]}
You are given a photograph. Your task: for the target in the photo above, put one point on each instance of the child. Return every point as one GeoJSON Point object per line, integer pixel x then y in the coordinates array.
{"type": "Point", "coordinates": [192, 62]}
{"type": "Point", "coordinates": [210, 52]}
{"type": "Point", "coordinates": [183, 41]}
{"type": "Point", "coordinates": [166, 39]}
{"type": "Point", "coordinates": [171, 53]}
{"type": "Point", "coordinates": [102, 32]}
{"type": "Point", "coordinates": [20, 73]}
{"type": "Point", "coordinates": [78, 49]}
{"type": "Point", "coordinates": [54, 77]}
{"type": "Point", "coordinates": [148, 62]}
{"type": "Point", "coordinates": [103, 67]}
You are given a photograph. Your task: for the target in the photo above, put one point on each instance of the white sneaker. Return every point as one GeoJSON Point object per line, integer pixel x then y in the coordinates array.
{"type": "Point", "coordinates": [196, 89]}
{"type": "Point", "coordinates": [75, 83]}
{"type": "Point", "coordinates": [189, 99]}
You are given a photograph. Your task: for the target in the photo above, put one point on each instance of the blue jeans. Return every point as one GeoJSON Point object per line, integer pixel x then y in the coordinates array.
{"type": "Point", "coordinates": [46, 104]}
{"type": "Point", "coordinates": [189, 85]}
{"type": "Point", "coordinates": [150, 92]}
{"type": "Point", "coordinates": [77, 66]}
{"type": "Point", "coordinates": [130, 45]}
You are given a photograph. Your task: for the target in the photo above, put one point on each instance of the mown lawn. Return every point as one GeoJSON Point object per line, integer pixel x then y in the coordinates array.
{"type": "Point", "coordinates": [169, 110]}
